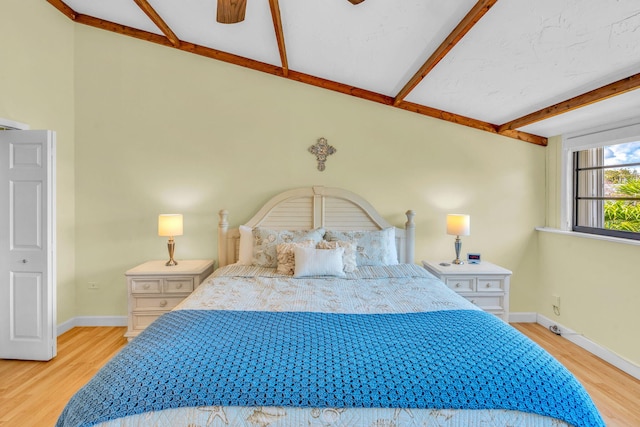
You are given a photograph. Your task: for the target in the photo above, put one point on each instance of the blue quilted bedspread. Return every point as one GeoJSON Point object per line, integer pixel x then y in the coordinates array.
{"type": "Point", "coordinates": [444, 359]}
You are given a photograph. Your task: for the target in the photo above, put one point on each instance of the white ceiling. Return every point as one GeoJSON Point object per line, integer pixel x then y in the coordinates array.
{"type": "Point", "coordinates": [520, 57]}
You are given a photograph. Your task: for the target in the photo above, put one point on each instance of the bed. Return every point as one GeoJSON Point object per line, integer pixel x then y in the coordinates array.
{"type": "Point", "coordinates": [317, 316]}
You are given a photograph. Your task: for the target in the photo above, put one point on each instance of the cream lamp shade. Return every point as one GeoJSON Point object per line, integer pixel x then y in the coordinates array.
{"type": "Point", "coordinates": [170, 225]}
{"type": "Point", "coordinates": [458, 225]}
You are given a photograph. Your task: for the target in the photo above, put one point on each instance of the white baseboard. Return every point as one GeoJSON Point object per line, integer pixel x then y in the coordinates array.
{"type": "Point", "coordinates": [91, 321]}
{"type": "Point", "coordinates": [593, 348]}
{"type": "Point", "coordinates": [523, 317]}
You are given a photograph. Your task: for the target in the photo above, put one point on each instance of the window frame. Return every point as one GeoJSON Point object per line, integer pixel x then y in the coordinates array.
{"type": "Point", "coordinates": [628, 131]}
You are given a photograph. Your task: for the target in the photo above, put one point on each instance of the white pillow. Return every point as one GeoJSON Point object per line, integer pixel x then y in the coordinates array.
{"type": "Point", "coordinates": [286, 257]}
{"type": "Point", "coordinates": [245, 255]}
{"type": "Point", "coordinates": [318, 262]}
{"type": "Point", "coordinates": [348, 258]}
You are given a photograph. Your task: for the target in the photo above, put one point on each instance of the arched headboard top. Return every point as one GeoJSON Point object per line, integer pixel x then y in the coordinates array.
{"type": "Point", "coordinates": [314, 207]}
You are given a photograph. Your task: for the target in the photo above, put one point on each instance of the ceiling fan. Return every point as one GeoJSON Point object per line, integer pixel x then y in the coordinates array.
{"type": "Point", "coordinates": [233, 11]}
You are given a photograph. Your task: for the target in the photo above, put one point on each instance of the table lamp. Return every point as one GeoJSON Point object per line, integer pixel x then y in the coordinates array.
{"type": "Point", "coordinates": [458, 225]}
{"type": "Point", "coordinates": [170, 225]}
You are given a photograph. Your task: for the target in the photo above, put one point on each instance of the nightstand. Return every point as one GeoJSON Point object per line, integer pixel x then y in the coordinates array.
{"type": "Point", "coordinates": [485, 284]}
{"type": "Point", "coordinates": [154, 289]}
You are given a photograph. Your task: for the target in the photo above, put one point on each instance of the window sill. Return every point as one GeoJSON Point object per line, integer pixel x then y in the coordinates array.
{"type": "Point", "coordinates": [589, 236]}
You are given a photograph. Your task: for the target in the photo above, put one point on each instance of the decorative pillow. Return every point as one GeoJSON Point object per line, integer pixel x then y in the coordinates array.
{"type": "Point", "coordinates": [372, 247]}
{"type": "Point", "coordinates": [266, 240]}
{"type": "Point", "coordinates": [318, 262]}
{"type": "Point", "coordinates": [245, 255]}
{"type": "Point", "coordinates": [286, 258]}
{"type": "Point", "coordinates": [349, 256]}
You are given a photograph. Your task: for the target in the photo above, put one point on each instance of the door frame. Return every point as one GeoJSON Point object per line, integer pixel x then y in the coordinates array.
{"type": "Point", "coordinates": [13, 125]}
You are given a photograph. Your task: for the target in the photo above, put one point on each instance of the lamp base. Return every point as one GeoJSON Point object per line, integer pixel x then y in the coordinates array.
{"type": "Point", "coordinates": [457, 245]}
{"type": "Point", "coordinates": [171, 245]}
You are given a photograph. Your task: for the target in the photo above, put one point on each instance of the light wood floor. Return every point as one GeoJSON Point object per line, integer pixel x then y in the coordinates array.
{"type": "Point", "coordinates": [34, 393]}
{"type": "Point", "coordinates": [615, 393]}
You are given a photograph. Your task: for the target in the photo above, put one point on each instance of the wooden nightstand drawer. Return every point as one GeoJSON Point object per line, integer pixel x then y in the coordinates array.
{"type": "Point", "coordinates": [178, 285]}
{"type": "Point", "coordinates": [485, 284]}
{"type": "Point", "coordinates": [146, 286]}
{"type": "Point", "coordinates": [461, 284]}
{"type": "Point", "coordinates": [142, 320]}
{"type": "Point", "coordinates": [163, 303]}
{"type": "Point", "coordinates": [155, 288]}
{"type": "Point", "coordinates": [487, 303]}
{"type": "Point", "coordinates": [490, 284]}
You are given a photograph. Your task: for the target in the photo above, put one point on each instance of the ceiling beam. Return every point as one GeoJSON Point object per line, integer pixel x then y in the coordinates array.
{"type": "Point", "coordinates": [340, 87]}
{"type": "Point", "coordinates": [301, 77]}
{"type": "Point", "coordinates": [616, 88]}
{"type": "Point", "coordinates": [524, 136]}
{"type": "Point", "coordinates": [121, 29]}
{"type": "Point", "coordinates": [153, 15]}
{"type": "Point", "coordinates": [473, 123]}
{"type": "Point", "coordinates": [444, 115]}
{"type": "Point", "coordinates": [474, 15]}
{"type": "Point", "coordinates": [277, 26]}
{"type": "Point", "coordinates": [416, 108]}
{"type": "Point", "coordinates": [62, 7]}
{"type": "Point", "coordinates": [184, 46]}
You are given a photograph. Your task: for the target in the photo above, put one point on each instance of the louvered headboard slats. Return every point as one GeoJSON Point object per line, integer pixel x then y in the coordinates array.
{"type": "Point", "coordinates": [341, 214]}
{"type": "Point", "coordinates": [290, 215]}
{"type": "Point", "coordinates": [314, 207]}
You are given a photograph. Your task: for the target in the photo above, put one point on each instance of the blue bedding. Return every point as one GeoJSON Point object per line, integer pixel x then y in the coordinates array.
{"type": "Point", "coordinates": [459, 359]}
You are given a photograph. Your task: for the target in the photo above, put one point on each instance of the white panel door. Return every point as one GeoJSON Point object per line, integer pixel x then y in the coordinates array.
{"type": "Point", "coordinates": [27, 245]}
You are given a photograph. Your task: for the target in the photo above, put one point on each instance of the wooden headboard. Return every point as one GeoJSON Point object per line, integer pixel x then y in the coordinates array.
{"type": "Point", "coordinates": [313, 207]}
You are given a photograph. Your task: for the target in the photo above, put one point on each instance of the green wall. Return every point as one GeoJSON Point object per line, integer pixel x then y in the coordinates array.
{"type": "Point", "coordinates": [596, 280]}
{"type": "Point", "coordinates": [144, 129]}
{"type": "Point", "coordinates": [162, 131]}
{"type": "Point", "coordinates": [37, 88]}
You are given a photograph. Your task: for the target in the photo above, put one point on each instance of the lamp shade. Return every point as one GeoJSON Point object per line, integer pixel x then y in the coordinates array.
{"type": "Point", "coordinates": [458, 225]}
{"type": "Point", "coordinates": [170, 225]}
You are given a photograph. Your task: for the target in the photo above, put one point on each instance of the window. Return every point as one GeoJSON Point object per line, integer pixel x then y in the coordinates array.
{"type": "Point", "coordinates": [604, 184]}
{"type": "Point", "coordinates": [607, 190]}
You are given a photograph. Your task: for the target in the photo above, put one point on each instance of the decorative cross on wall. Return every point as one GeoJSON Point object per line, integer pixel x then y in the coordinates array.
{"type": "Point", "coordinates": [322, 150]}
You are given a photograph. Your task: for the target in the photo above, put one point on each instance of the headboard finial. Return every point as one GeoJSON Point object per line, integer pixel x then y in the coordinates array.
{"type": "Point", "coordinates": [224, 217]}
{"type": "Point", "coordinates": [410, 214]}
{"type": "Point", "coordinates": [410, 233]}
{"type": "Point", "coordinates": [223, 229]}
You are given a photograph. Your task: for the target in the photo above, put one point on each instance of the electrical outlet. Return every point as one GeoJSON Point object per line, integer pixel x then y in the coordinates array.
{"type": "Point", "coordinates": [93, 285]}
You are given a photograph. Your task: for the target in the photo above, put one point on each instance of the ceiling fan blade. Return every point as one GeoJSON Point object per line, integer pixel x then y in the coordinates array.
{"type": "Point", "coordinates": [356, 1]}
{"type": "Point", "coordinates": [231, 11]}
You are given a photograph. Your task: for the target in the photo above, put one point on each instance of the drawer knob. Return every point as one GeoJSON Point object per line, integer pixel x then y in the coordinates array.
{"type": "Point", "coordinates": [147, 286]}
{"type": "Point", "coordinates": [179, 285]}
{"type": "Point", "coordinates": [163, 303]}
{"type": "Point", "coordinates": [457, 285]}
{"type": "Point", "coordinates": [473, 301]}
{"type": "Point", "coordinates": [488, 285]}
